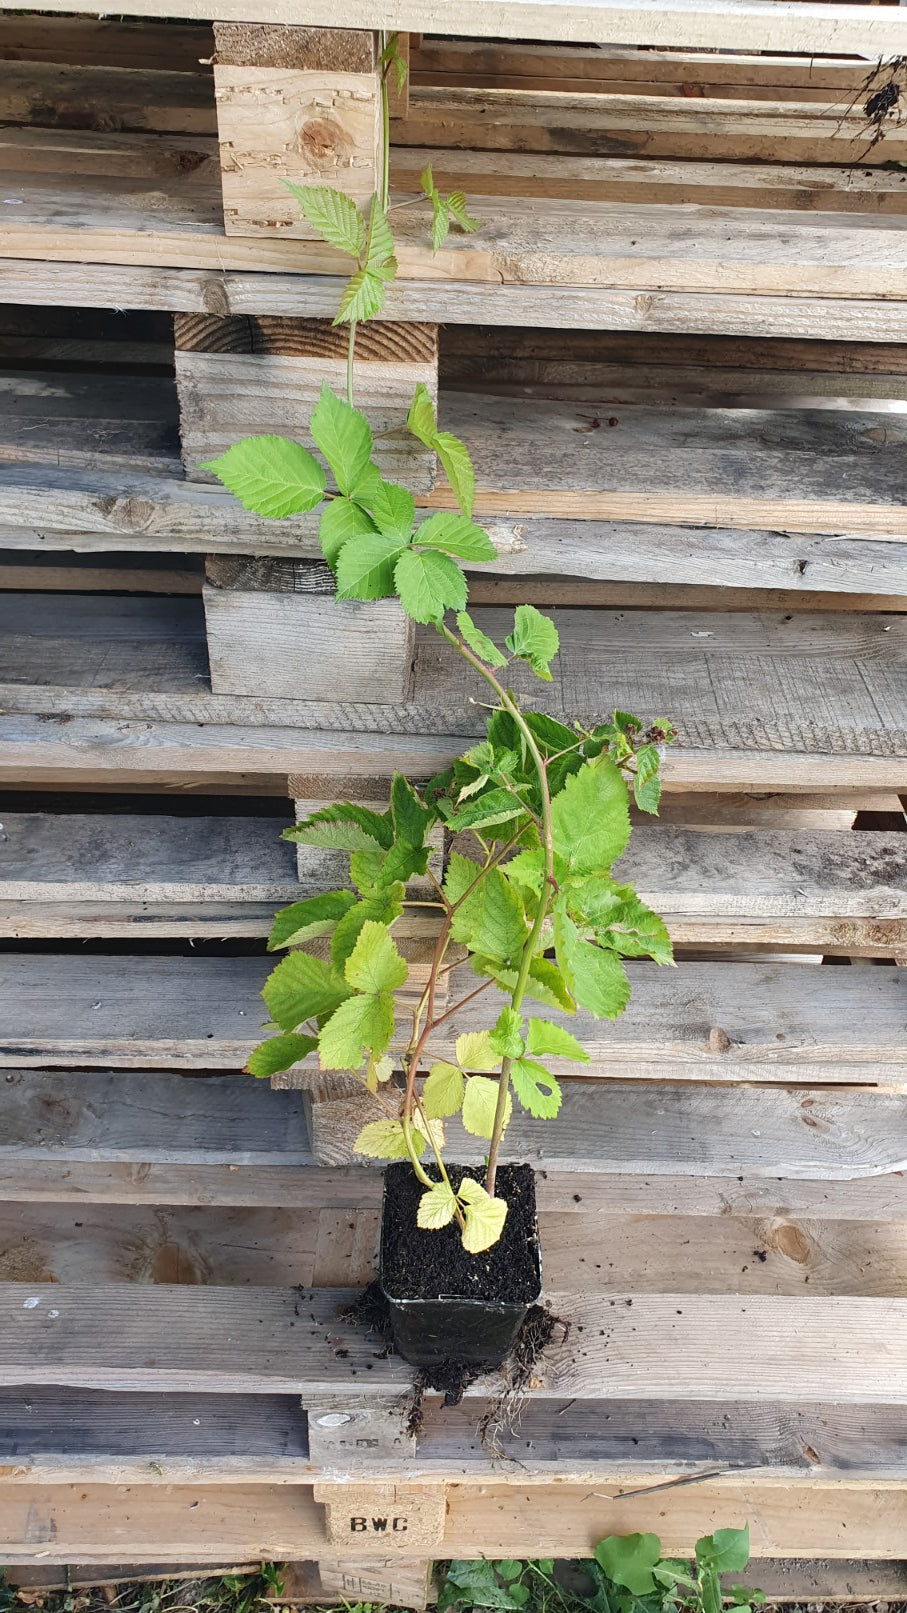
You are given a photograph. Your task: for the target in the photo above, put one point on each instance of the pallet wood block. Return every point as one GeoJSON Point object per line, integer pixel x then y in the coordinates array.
{"type": "Point", "coordinates": [354, 1427]}
{"type": "Point", "coordinates": [405, 1517]}
{"type": "Point", "coordinates": [394, 1583]}
{"type": "Point", "coordinates": [297, 640]}
{"type": "Point", "coordinates": [301, 104]}
{"type": "Point", "coordinates": [242, 376]}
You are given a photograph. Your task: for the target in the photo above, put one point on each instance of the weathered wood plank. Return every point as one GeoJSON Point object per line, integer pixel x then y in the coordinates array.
{"type": "Point", "coordinates": [800, 684]}
{"type": "Point", "coordinates": [692, 24]}
{"type": "Point", "coordinates": [88, 1522]}
{"type": "Point", "coordinates": [700, 1021]}
{"type": "Point", "coordinates": [222, 291]}
{"type": "Point", "coordinates": [169, 754]}
{"type": "Point", "coordinates": [266, 1247]}
{"type": "Point", "coordinates": [273, 1340]}
{"type": "Point", "coordinates": [170, 1140]}
{"type": "Point", "coordinates": [81, 197]}
{"type": "Point", "coordinates": [58, 1522]}
{"type": "Point", "coordinates": [142, 874]}
{"type": "Point", "coordinates": [106, 98]}
{"type": "Point", "coordinates": [636, 122]}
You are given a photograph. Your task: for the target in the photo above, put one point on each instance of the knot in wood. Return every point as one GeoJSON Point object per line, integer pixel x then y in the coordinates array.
{"type": "Point", "coordinates": [719, 1041]}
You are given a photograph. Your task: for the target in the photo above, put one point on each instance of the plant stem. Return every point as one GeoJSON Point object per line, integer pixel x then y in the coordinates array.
{"type": "Point", "coordinates": [509, 705]}
{"type": "Point", "coordinates": [350, 356]}
{"type": "Point", "coordinates": [385, 129]}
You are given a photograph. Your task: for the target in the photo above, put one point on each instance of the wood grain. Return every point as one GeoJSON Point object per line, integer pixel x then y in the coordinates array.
{"type": "Point", "coordinates": [715, 1021]}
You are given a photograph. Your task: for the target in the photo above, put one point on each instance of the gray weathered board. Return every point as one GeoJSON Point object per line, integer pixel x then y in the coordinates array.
{"type": "Point", "coordinates": [715, 1021]}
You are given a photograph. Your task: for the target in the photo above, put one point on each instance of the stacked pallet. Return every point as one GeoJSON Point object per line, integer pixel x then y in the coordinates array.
{"type": "Point", "coordinates": [675, 352]}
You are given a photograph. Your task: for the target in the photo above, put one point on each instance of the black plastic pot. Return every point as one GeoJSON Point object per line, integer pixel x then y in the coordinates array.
{"type": "Point", "coordinates": [437, 1329]}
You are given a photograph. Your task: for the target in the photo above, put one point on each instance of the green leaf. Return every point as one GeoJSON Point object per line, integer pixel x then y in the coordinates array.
{"type": "Point", "coordinates": [383, 908]}
{"type": "Point", "coordinates": [359, 1024]}
{"type": "Point", "coordinates": [437, 1207]}
{"type": "Point", "coordinates": [495, 806]}
{"type": "Point", "coordinates": [362, 298]}
{"type": "Point", "coordinates": [590, 818]}
{"type": "Point", "coordinates": [456, 206]}
{"type": "Point", "coordinates": [458, 468]}
{"type": "Point", "coordinates": [443, 1091]}
{"type": "Point", "coordinates": [412, 818]}
{"type": "Point", "coordinates": [596, 977]}
{"type": "Point", "coordinates": [456, 535]}
{"type": "Point", "coordinates": [375, 965]}
{"type": "Point", "coordinates": [384, 1139]}
{"type": "Point", "coordinates": [270, 476]}
{"type": "Point", "coordinates": [440, 221]}
{"type": "Point", "coordinates": [317, 915]}
{"type": "Point", "coordinates": [491, 919]}
{"type": "Point", "coordinates": [379, 245]}
{"type": "Point", "coordinates": [420, 420]}
{"type": "Point", "coordinates": [647, 795]}
{"type": "Point", "coordinates": [479, 1106]}
{"type": "Point", "coordinates": [428, 584]}
{"type": "Point", "coordinates": [545, 984]}
{"type": "Point", "coordinates": [393, 509]}
{"type": "Point", "coordinates": [534, 639]}
{"type": "Point", "coordinates": [300, 988]}
{"type": "Point", "coordinates": [527, 868]}
{"type": "Point", "coordinates": [536, 1088]}
{"type": "Point", "coordinates": [343, 826]}
{"type": "Point", "coordinates": [479, 642]}
{"type": "Point", "coordinates": [336, 219]}
{"type": "Point", "coordinates": [279, 1053]}
{"type": "Point", "coordinates": [485, 1216]}
{"type": "Point", "coordinates": [550, 735]}
{"type": "Point", "coordinates": [543, 1037]}
{"type": "Point", "coordinates": [475, 1052]}
{"type": "Point", "coordinates": [727, 1551]}
{"type": "Point", "coordinates": [344, 437]}
{"type": "Point", "coordinates": [505, 1034]}
{"type": "Point", "coordinates": [365, 566]}
{"type": "Point", "coordinates": [635, 931]}
{"type": "Point", "coordinates": [629, 1559]}
{"type": "Point", "coordinates": [340, 520]}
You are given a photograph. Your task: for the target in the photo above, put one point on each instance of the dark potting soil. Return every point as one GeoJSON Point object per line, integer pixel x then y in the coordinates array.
{"type": "Point", "coordinates": [419, 1264]}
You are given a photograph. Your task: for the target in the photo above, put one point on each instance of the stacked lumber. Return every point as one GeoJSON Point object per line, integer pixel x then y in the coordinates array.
{"type": "Point", "coordinates": [676, 352]}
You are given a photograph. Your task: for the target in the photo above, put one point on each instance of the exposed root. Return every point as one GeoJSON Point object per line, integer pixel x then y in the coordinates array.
{"type": "Point", "coordinates": [884, 88]}
{"type": "Point", "coordinates": [370, 1313]}
{"type": "Point", "coordinates": [503, 1414]}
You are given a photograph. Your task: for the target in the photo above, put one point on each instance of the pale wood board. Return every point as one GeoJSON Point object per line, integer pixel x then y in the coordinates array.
{"type": "Point", "coordinates": [264, 1247]}
{"type": "Point", "coordinates": [45, 1523]}
{"type": "Point", "coordinates": [169, 754]}
{"type": "Point", "coordinates": [636, 122]}
{"type": "Point", "coordinates": [97, 874]}
{"type": "Point", "coordinates": [106, 98]}
{"type": "Point", "coordinates": [738, 688]}
{"type": "Point", "coordinates": [736, 24]}
{"type": "Point", "coordinates": [715, 1021]}
{"type": "Point", "coordinates": [223, 292]}
{"type": "Point", "coordinates": [81, 197]}
{"type": "Point", "coordinates": [273, 1340]}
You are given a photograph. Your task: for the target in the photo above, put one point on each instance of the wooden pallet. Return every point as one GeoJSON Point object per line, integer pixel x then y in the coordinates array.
{"type": "Point", "coordinates": [90, 124]}
{"type": "Point", "coordinates": [718, 526]}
